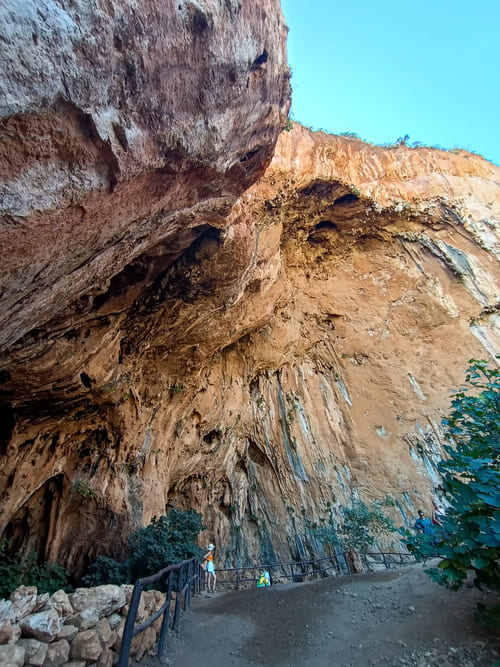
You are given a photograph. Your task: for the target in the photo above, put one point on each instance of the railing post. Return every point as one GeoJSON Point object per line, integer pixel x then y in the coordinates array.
{"type": "Point", "coordinates": [128, 628]}
{"type": "Point", "coordinates": [177, 598]}
{"type": "Point", "coordinates": [162, 641]}
{"type": "Point", "coordinates": [187, 603]}
{"type": "Point", "coordinates": [237, 579]}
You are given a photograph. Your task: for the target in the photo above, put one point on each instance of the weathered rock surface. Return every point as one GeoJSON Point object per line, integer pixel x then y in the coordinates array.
{"type": "Point", "coordinates": [44, 625]}
{"type": "Point", "coordinates": [105, 599]}
{"type": "Point", "coordinates": [259, 363]}
{"type": "Point", "coordinates": [35, 651]}
{"type": "Point", "coordinates": [126, 134]}
{"type": "Point", "coordinates": [12, 655]}
{"type": "Point", "coordinates": [86, 646]}
{"type": "Point", "coordinates": [57, 654]}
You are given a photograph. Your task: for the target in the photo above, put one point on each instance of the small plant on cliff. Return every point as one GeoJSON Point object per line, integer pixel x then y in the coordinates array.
{"type": "Point", "coordinates": [288, 125]}
{"type": "Point", "coordinates": [167, 540]}
{"type": "Point", "coordinates": [83, 489]}
{"type": "Point", "coordinates": [470, 538]}
{"type": "Point", "coordinates": [18, 569]}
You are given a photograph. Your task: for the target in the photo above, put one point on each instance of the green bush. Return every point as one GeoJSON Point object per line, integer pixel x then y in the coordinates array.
{"type": "Point", "coordinates": [361, 525]}
{"type": "Point", "coordinates": [470, 538]}
{"type": "Point", "coordinates": [167, 540]}
{"type": "Point", "coordinates": [18, 569]}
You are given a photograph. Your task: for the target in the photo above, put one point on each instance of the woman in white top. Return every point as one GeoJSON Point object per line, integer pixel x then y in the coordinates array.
{"type": "Point", "coordinates": [211, 578]}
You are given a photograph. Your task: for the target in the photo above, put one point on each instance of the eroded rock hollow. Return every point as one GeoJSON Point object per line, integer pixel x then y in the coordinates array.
{"type": "Point", "coordinates": [173, 335]}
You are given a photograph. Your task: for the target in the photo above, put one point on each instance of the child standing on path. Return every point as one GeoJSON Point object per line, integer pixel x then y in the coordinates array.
{"type": "Point", "coordinates": [211, 578]}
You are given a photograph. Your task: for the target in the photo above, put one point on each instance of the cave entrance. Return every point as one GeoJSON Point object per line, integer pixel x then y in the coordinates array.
{"type": "Point", "coordinates": [32, 528]}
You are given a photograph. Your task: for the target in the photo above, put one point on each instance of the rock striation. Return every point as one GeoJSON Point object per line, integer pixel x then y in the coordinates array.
{"type": "Point", "coordinates": [173, 335]}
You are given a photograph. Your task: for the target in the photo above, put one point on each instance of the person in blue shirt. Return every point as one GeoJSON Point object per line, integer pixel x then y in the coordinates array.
{"type": "Point", "coordinates": [423, 524]}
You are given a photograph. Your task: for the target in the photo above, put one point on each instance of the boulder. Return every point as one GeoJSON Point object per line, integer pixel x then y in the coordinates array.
{"type": "Point", "coordinates": [119, 635]}
{"type": "Point", "coordinates": [143, 643]}
{"type": "Point", "coordinates": [12, 655]}
{"type": "Point", "coordinates": [5, 631]}
{"type": "Point", "coordinates": [60, 602]}
{"type": "Point", "coordinates": [35, 651]}
{"type": "Point", "coordinates": [45, 625]}
{"type": "Point", "coordinates": [106, 635]}
{"type": "Point", "coordinates": [57, 654]}
{"type": "Point", "coordinates": [16, 633]}
{"type": "Point", "coordinates": [128, 589]}
{"type": "Point", "coordinates": [5, 607]}
{"type": "Point", "coordinates": [41, 602]}
{"type": "Point", "coordinates": [86, 646]}
{"type": "Point", "coordinates": [23, 602]}
{"type": "Point", "coordinates": [114, 620]}
{"type": "Point", "coordinates": [85, 619]}
{"type": "Point", "coordinates": [105, 659]}
{"type": "Point", "coordinates": [106, 599]}
{"type": "Point", "coordinates": [141, 610]}
{"type": "Point", "coordinates": [68, 632]}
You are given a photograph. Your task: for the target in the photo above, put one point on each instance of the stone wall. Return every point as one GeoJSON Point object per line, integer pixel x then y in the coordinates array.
{"type": "Point", "coordinates": [73, 630]}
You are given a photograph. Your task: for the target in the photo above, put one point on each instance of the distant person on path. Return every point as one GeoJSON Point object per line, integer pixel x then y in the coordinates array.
{"type": "Point", "coordinates": [264, 579]}
{"type": "Point", "coordinates": [211, 578]}
{"type": "Point", "coordinates": [423, 524]}
{"type": "Point", "coordinates": [436, 515]}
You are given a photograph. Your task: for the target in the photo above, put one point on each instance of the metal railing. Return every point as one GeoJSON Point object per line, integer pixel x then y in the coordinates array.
{"type": "Point", "coordinates": [293, 570]}
{"type": "Point", "coordinates": [185, 578]}
{"type": "Point", "coordinates": [388, 559]}
{"type": "Point", "coordinates": [338, 565]}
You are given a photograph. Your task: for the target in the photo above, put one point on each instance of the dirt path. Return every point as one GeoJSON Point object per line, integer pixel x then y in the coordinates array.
{"type": "Point", "coordinates": [391, 618]}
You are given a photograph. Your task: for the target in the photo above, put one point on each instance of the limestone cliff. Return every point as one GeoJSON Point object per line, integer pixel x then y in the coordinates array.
{"type": "Point", "coordinates": [258, 360]}
{"type": "Point", "coordinates": [127, 131]}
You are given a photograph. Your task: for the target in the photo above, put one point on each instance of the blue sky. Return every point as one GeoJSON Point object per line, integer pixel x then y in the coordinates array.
{"type": "Point", "coordinates": [387, 68]}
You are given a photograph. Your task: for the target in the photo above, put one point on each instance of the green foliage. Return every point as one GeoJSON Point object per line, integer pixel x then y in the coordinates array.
{"type": "Point", "coordinates": [470, 539]}
{"type": "Point", "coordinates": [361, 525]}
{"type": "Point", "coordinates": [288, 125]}
{"type": "Point", "coordinates": [260, 402]}
{"type": "Point", "coordinates": [176, 389]}
{"type": "Point", "coordinates": [83, 489]}
{"type": "Point", "coordinates": [167, 540]}
{"type": "Point", "coordinates": [18, 569]}
{"type": "Point", "coordinates": [350, 135]}
{"type": "Point", "coordinates": [107, 570]}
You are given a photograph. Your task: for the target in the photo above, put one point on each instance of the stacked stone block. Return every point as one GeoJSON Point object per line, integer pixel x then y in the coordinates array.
{"type": "Point", "coordinates": [80, 629]}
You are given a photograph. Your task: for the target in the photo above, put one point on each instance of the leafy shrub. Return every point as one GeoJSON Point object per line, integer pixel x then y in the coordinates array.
{"type": "Point", "coordinates": [167, 540]}
{"type": "Point", "coordinates": [107, 570]}
{"type": "Point", "coordinates": [18, 569]}
{"type": "Point", "coordinates": [361, 526]}
{"type": "Point", "coordinates": [470, 539]}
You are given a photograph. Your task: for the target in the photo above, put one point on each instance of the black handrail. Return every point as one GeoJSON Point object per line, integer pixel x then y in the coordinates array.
{"type": "Point", "coordinates": [190, 575]}
{"type": "Point", "coordinates": [299, 569]}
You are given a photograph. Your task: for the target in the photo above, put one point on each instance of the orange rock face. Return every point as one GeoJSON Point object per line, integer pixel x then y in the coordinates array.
{"type": "Point", "coordinates": [286, 358]}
